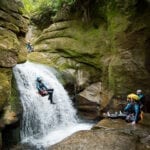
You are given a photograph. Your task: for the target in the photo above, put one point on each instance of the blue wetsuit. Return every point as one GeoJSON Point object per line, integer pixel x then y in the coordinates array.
{"type": "Point", "coordinates": [133, 108]}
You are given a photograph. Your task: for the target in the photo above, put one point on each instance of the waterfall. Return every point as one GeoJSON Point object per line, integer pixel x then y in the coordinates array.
{"type": "Point", "coordinates": [44, 123]}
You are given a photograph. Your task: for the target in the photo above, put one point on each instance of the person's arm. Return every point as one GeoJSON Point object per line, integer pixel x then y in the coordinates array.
{"type": "Point", "coordinates": [128, 107]}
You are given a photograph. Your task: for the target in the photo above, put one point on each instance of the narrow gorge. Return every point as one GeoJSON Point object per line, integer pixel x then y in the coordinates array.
{"type": "Point", "coordinates": [99, 51]}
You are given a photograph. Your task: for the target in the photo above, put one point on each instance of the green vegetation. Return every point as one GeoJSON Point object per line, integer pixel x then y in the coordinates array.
{"type": "Point", "coordinates": [14, 98]}
{"type": "Point", "coordinates": [39, 5]}
{"type": "Point", "coordinates": [43, 12]}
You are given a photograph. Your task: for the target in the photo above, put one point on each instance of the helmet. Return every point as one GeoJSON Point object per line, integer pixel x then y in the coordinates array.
{"type": "Point", "coordinates": [39, 79]}
{"type": "Point", "coordinates": [133, 96]}
{"type": "Point", "coordinates": [139, 91]}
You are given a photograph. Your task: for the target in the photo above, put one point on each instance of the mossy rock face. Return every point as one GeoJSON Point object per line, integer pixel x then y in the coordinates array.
{"type": "Point", "coordinates": [14, 100]}
{"type": "Point", "coordinates": [13, 26]}
{"type": "Point", "coordinates": [12, 16]}
{"type": "Point", "coordinates": [105, 50]}
{"type": "Point", "coordinates": [113, 48]}
{"type": "Point", "coordinates": [71, 40]}
{"type": "Point", "coordinates": [125, 74]}
{"type": "Point", "coordinates": [7, 59]}
{"type": "Point", "coordinates": [8, 40]}
{"type": "Point", "coordinates": [22, 54]}
{"type": "Point", "coordinates": [64, 46]}
{"type": "Point", "coordinates": [5, 86]}
{"type": "Point", "coordinates": [10, 47]}
{"type": "Point", "coordinates": [11, 5]}
{"type": "Point", "coordinates": [9, 26]}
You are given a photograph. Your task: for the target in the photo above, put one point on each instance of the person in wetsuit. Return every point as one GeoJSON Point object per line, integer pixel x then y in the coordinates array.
{"type": "Point", "coordinates": [43, 90]}
{"type": "Point", "coordinates": [133, 109]}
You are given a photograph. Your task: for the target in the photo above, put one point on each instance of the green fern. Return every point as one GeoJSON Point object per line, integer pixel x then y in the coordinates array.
{"type": "Point", "coordinates": [39, 5]}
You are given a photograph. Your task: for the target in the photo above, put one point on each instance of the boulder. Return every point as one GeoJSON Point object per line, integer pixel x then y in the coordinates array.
{"type": "Point", "coordinates": [107, 135]}
{"type": "Point", "coordinates": [92, 93]}
{"type": "Point", "coordinates": [88, 101]}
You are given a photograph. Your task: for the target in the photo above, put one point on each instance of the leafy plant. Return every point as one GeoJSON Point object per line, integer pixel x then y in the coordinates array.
{"type": "Point", "coordinates": [38, 5]}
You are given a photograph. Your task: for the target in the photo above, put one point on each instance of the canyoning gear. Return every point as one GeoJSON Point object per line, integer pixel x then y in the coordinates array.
{"type": "Point", "coordinates": [115, 115]}
{"type": "Point", "coordinates": [141, 99]}
{"type": "Point", "coordinates": [133, 96]}
{"type": "Point", "coordinates": [43, 93]}
{"type": "Point", "coordinates": [138, 91]}
{"type": "Point", "coordinates": [133, 112]}
{"type": "Point", "coordinates": [43, 90]}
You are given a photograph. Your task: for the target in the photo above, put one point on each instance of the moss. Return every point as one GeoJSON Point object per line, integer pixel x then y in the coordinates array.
{"type": "Point", "coordinates": [10, 39]}
{"type": "Point", "coordinates": [14, 100]}
{"type": "Point", "coordinates": [82, 45]}
{"type": "Point", "coordinates": [111, 79]}
{"type": "Point", "coordinates": [9, 26]}
{"type": "Point", "coordinates": [107, 45]}
{"type": "Point", "coordinates": [5, 77]}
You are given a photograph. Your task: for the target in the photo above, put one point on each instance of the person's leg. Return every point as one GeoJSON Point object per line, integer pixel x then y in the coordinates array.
{"type": "Point", "coordinates": [50, 97]}
{"type": "Point", "coordinates": [50, 92]}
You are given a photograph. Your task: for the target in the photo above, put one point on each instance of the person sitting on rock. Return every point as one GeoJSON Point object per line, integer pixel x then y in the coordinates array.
{"type": "Point", "coordinates": [142, 98]}
{"type": "Point", "coordinates": [133, 109]}
{"type": "Point", "coordinates": [43, 90]}
{"type": "Point", "coordinates": [142, 102]}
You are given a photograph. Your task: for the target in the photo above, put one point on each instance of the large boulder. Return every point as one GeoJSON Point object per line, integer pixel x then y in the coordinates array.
{"type": "Point", "coordinates": [109, 134]}
{"type": "Point", "coordinates": [89, 100]}
{"type": "Point", "coordinates": [97, 140]}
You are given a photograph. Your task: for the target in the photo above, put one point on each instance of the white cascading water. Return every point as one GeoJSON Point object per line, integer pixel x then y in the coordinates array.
{"type": "Point", "coordinates": [44, 124]}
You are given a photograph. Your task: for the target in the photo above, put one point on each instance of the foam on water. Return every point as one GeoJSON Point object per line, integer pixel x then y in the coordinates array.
{"type": "Point", "coordinates": [44, 124]}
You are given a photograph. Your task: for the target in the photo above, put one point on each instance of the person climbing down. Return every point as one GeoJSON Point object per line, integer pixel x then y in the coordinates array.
{"type": "Point", "coordinates": [29, 47]}
{"type": "Point", "coordinates": [133, 109]}
{"type": "Point", "coordinates": [43, 90]}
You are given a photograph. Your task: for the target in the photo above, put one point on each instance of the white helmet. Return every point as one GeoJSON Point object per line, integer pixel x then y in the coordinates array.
{"type": "Point", "coordinates": [139, 91]}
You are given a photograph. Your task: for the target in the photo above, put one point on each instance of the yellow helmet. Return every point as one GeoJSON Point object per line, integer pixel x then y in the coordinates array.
{"type": "Point", "coordinates": [133, 96]}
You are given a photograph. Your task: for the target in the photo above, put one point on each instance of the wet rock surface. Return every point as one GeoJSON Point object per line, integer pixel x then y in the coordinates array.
{"type": "Point", "coordinates": [110, 134]}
